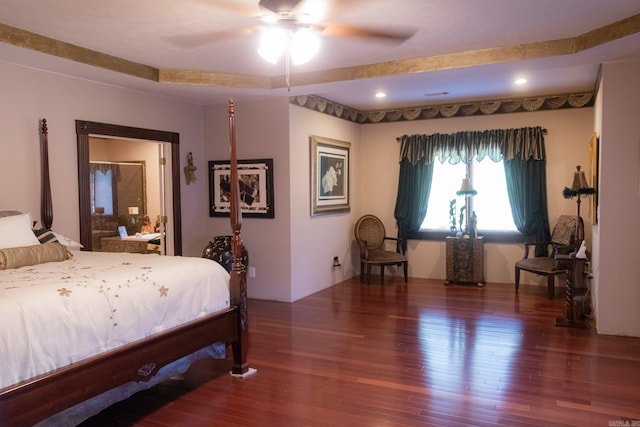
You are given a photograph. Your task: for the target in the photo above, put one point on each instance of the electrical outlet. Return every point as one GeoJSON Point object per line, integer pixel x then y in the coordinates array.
{"type": "Point", "coordinates": [252, 272]}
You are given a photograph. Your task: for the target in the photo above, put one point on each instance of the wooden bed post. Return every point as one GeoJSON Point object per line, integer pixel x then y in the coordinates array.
{"type": "Point", "coordinates": [238, 284]}
{"type": "Point", "coordinates": [47, 205]}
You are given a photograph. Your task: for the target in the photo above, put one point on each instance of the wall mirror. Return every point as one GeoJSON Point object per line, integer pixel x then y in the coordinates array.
{"type": "Point", "coordinates": [131, 197]}
{"type": "Point", "coordinates": [118, 197]}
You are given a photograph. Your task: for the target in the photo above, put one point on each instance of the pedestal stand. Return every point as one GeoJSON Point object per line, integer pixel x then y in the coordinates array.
{"type": "Point", "coordinates": [570, 319]}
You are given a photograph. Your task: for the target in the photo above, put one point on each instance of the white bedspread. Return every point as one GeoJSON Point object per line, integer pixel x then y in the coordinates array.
{"type": "Point", "coordinates": [57, 313]}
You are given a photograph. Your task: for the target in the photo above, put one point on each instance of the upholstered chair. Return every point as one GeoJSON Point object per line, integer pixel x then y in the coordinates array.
{"type": "Point", "coordinates": [563, 241]}
{"type": "Point", "coordinates": [371, 237]}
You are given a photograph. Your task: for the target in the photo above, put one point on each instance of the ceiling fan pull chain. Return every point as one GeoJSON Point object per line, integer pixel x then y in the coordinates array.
{"type": "Point", "coordinates": [287, 70]}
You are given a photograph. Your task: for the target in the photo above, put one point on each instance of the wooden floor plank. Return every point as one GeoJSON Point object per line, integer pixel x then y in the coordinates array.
{"type": "Point", "coordinates": [410, 354]}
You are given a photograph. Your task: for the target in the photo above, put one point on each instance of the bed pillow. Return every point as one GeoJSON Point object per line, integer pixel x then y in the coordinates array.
{"type": "Point", "coordinates": [45, 236]}
{"type": "Point", "coordinates": [15, 231]}
{"type": "Point", "coordinates": [32, 255]}
{"type": "Point", "coordinates": [49, 236]}
{"type": "Point", "coordinates": [9, 213]}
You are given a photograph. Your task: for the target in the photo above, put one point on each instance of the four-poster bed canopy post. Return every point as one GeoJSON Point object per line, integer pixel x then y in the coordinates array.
{"type": "Point", "coordinates": [238, 272]}
{"type": "Point", "coordinates": [47, 204]}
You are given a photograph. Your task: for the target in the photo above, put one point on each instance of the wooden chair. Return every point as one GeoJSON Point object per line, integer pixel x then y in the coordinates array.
{"type": "Point", "coordinates": [370, 235]}
{"type": "Point", "coordinates": [563, 241]}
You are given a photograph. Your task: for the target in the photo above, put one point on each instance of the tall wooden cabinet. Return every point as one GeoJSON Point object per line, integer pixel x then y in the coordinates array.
{"type": "Point", "coordinates": [465, 260]}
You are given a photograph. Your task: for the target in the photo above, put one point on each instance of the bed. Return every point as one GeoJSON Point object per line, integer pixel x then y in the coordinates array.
{"type": "Point", "coordinates": [122, 322]}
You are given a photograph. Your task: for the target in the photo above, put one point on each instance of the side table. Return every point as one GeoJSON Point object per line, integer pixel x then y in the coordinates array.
{"type": "Point", "coordinates": [465, 260]}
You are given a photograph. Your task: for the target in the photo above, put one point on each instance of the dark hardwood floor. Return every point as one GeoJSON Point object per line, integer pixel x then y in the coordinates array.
{"type": "Point", "coordinates": [406, 355]}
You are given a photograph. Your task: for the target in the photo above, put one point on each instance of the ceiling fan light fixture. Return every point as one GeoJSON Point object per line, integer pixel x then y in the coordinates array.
{"type": "Point", "coordinates": [312, 11]}
{"type": "Point", "coordinates": [272, 44]}
{"type": "Point", "coordinates": [304, 45]}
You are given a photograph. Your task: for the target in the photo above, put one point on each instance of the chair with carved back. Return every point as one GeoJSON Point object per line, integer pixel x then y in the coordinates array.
{"type": "Point", "coordinates": [371, 237]}
{"type": "Point", "coordinates": [563, 241]}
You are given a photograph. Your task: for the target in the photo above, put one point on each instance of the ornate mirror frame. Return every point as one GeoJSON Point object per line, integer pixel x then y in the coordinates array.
{"type": "Point", "coordinates": [83, 130]}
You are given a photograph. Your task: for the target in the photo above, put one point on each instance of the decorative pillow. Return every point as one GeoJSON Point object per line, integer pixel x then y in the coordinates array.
{"type": "Point", "coordinates": [45, 236]}
{"type": "Point", "coordinates": [32, 255]}
{"type": "Point", "coordinates": [9, 213]}
{"type": "Point", "coordinates": [67, 241]}
{"type": "Point", "coordinates": [15, 231]}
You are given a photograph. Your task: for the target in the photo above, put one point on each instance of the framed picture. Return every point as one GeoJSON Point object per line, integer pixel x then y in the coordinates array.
{"type": "Point", "coordinates": [329, 176]}
{"type": "Point", "coordinates": [593, 160]}
{"type": "Point", "coordinates": [256, 187]}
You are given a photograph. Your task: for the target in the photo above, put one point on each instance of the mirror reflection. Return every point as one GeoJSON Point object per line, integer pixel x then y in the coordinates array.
{"type": "Point", "coordinates": [125, 200]}
{"type": "Point", "coordinates": [158, 151]}
{"type": "Point", "coordinates": [118, 199]}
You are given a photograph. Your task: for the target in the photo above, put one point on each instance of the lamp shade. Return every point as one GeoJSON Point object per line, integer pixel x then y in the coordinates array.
{"type": "Point", "coordinates": [579, 180]}
{"type": "Point", "coordinates": [466, 189]}
{"type": "Point", "coordinates": [304, 45]}
{"type": "Point", "coordinates": [579, 186]}
{"type": "Point", "coordinates": [272, 44]}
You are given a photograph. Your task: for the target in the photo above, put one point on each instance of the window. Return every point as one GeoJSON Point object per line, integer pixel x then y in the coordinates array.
{"type": "Point", "coordinates": [101, 185]}
{"type": "Point", "coordinates": [421, 177]}
{"type": "Point", "coordinates": [491, 204]}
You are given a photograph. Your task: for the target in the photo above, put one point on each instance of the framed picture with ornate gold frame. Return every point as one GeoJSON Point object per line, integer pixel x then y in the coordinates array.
{"type": "Point", "coordinates": [329, 176]}
{"type": "Point", "coordinates": [594, 155]}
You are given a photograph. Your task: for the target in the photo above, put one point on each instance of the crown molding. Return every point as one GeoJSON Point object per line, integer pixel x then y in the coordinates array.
{"type": "Point", "coordinates": [541, 103]}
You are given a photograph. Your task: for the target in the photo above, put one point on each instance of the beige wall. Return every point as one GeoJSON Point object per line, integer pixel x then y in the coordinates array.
{"type": "Point", "coordinates": [262, 131]}
{"type": "Point", "coordinates": [616, 262]}
{"type": "Point", "coordinates": [315, 240]}
{"type": "Point", "coordinates": [29, 95]}
{"type": "Point", "coordinates": [292, 253]}
{"type": "Point", "coordinates": [567, 143]}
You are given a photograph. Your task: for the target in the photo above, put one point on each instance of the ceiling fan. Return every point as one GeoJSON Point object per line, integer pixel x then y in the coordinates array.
{"type": "Point", "coordinates": [311, 14]}
{"type": "Point", "coordinates": [294, 26]}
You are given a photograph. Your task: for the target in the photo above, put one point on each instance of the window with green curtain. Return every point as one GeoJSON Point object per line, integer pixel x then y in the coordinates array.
{"type": "Point", "coordinates": [520, 150]}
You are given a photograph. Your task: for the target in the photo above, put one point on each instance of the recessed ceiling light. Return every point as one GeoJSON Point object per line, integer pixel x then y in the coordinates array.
{"type": "Point", "coordinates": [521, 81]}
{"type": "Point", "coordinates": [380, 94]}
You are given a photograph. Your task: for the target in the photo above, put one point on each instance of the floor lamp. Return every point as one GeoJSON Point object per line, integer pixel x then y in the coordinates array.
{"type": "Point", "coordinates": [579, 188]}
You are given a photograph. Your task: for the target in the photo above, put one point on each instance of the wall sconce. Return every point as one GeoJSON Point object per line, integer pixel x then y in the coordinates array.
{"type": "Point", "coordinates": [190, 170]}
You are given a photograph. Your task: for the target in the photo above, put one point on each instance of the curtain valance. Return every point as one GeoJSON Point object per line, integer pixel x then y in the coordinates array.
{"type": "Point", "coordinates": [106, 167]}
{"type": "Point", "coordinates": [498, 144]}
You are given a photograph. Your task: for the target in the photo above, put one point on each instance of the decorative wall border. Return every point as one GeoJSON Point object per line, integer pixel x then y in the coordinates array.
{"type": "Point", "coordinates": [550, 102]}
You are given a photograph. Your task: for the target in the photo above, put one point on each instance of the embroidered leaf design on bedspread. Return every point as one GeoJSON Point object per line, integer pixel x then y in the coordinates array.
{"type": "Point", "coordinates": [126, 276]}
{"type": "Point", "coordinates": [64, 292]}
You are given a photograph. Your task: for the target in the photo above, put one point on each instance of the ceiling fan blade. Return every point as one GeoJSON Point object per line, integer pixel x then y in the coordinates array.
{"type": "Point", "coordinates": [191, 41]}
{"type": "Point", "coordinates": [398, 35]}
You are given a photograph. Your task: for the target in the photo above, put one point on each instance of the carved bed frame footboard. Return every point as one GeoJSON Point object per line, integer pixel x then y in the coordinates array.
{"type": "Point", "coordinates": [35, 399]}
